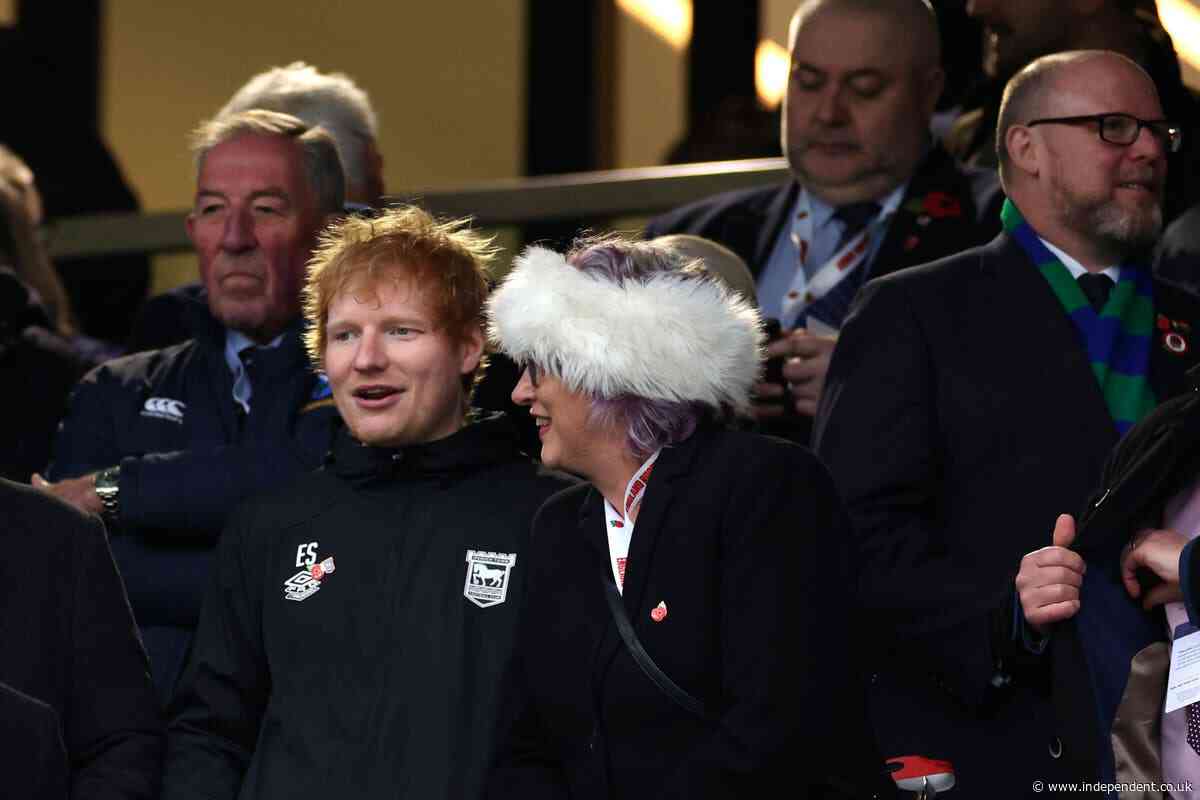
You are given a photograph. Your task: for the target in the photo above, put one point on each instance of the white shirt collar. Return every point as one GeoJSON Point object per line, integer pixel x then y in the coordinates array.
{"type": "Point", "coordinates": [1077, 269]}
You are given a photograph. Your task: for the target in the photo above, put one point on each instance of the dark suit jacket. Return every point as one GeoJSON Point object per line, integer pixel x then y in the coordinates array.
{"type": "Point", "coordinates": [33, 759]}
{"type": "Point", "coordinates": [966, 211]}
{"type": "Point", "coordinates": [70, 642]}
{"type": "Point", "coordinates": [743, 539]}
{"type": "Point", "coordinates": [960, 417]}
{"type": "Point", "coordinates": [749, 221]}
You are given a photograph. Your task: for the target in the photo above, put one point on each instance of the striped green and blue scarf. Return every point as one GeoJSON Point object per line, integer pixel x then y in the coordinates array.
{"type": "Point", "coordinates": [1117, 339]}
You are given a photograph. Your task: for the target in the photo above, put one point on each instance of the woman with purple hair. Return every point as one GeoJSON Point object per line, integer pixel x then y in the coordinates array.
{"type": "Point", "coordinates": [686, 627]}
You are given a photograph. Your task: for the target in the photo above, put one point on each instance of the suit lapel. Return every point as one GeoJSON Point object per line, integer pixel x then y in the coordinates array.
{"type": "Point", "coordinates": [662, 490]}
{"type": "Point", "coordinates": [938, 211]}
{"type": "Point", "coordinates": [1043, 336]}
{"type": "Point", "coordinates": [765, 227]}
{"type": "Point", "coordinates": [1176, 316]}
{"type": "Point", "coordinates": [665, 485]}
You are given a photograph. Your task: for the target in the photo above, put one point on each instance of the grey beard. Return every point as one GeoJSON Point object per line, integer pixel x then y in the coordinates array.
{"type": "Point", "coordinates": [1128, 233]}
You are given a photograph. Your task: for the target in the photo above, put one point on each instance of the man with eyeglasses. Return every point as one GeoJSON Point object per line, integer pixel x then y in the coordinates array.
{"type": "Point", "coordinates": [972, 400]}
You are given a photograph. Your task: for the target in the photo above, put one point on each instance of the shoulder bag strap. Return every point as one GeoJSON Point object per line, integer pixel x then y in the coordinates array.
{"type": "Point", "coordinates": [643, 659]}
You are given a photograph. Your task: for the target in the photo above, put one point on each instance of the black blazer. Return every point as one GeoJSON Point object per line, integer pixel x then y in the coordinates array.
{"type": "Point", "coordinates": [743, 539]}
{"type": "Point", "coordinates": [70, 643]}
{"type": "Point", "coordinates": [960, 417]}
{"type": "Point", "coordinates": [748, 221]}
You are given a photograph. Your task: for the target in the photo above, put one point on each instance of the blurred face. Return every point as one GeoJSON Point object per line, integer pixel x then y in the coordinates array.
{"type": "Point", "coordinates": [1104, 193]}
{"type": "Point", "coordinates": [571, 441]}
{"type": "Point", "coordinates": [1016, 32]}
{"type": "Point", "coordinates": [858, 103]}
{"type": "Point", "coordinates": [396, 378]}
{"type": "Point", "coordinates": [254, 225]}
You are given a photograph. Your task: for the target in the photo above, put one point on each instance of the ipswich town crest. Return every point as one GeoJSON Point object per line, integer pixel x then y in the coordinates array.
{"type": "Point", "coordinates": [487, 577]}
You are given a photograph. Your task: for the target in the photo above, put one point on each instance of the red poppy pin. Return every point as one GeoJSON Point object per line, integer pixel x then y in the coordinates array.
{"type": "Point", "coordinates": [941, 205]}
{"type": "Point", "coordinates": [659, 612]}
{"type": "Point", "coordinates": [1174, 334]}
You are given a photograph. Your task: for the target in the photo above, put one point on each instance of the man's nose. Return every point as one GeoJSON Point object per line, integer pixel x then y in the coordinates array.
{"type": "Point", "coordinates": [369, 355]}
{"type": "Point", "coordinates": [238, 234]}
{"type": "Point", "coordinates": [831, 109]}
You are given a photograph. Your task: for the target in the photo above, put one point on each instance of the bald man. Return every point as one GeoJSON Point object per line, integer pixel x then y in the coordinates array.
{"type": "Point", "coordinates": [1018, 31]}
{"type": "Point", "coordinates": [972, 400]}
{"type": "Point", "coordinates": [871, 193]}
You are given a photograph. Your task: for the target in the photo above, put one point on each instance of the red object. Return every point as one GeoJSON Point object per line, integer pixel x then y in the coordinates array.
{"type": "Point", "coordinates": [940, 205]}
{"type": "Point", "coordinates": [659, 612]}
{"type": "Point", "coordinates": [911, 242]}
{"type": "Point", "coordinates": [914, 773]}
{"type": "Point", "coordinates": [318, 572]}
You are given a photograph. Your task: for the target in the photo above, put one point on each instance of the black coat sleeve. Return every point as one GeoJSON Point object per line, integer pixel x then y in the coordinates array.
{"type": "Point", "coordinates": [221, 697]}
{"type": "Point", "coordinates": [112, 725]}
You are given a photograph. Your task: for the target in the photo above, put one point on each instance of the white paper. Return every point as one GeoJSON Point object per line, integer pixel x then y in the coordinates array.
{"type": "Point", "coordinates": [1183, 682]}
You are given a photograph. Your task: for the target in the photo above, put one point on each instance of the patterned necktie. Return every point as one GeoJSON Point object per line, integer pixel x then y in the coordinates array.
{"type": "Point", "coordinates": [855, 217]}
{"type": "Point", "coordinates": [243, 383]}
{"type": "Point", "coordinates": [831, 309]}
{"type": "Point", "coordinates": [1096, 288]}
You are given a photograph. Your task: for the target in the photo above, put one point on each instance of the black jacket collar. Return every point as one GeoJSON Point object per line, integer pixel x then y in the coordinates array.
{"type": "Point", "coordinates": [489, 441]}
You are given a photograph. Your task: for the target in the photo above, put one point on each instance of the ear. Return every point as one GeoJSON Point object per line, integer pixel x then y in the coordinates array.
{"type": "Point", "coordinates": [472, 350]}
{"type": "Point", "coordinates": [1024, 149]}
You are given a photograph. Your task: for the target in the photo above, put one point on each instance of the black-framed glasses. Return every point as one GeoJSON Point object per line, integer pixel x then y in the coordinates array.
{"type": "Point", "coordinates": [1123, 129]}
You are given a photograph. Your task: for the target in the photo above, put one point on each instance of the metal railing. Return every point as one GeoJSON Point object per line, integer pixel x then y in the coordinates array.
{"type": "Point", "coordinates": [584, 196]}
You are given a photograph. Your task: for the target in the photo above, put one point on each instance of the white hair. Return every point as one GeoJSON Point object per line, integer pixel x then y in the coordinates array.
{"type": "Point", "coordinates": [332, 101]}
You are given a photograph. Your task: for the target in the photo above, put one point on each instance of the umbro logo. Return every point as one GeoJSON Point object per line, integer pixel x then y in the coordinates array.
{"type": "Point", "coordinates": [164, 408]}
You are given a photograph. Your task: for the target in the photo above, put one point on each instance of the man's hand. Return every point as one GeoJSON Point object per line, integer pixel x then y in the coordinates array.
{"type": "Point", "coordinates": [79, 492]}
{"type": "Point", "coordinates": [1049, 580]}
{"type": "Point", "coordinates": [806, 362]}
{"type": "Point", "coordinates": [1156, 550]}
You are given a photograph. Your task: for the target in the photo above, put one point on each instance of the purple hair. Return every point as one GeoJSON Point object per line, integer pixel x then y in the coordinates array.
{"type": "Point", "coordinates": [649, 424]}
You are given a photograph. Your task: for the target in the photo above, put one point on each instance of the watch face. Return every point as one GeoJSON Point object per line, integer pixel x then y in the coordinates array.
{"type": "Point", "coordinates": [107, 482]}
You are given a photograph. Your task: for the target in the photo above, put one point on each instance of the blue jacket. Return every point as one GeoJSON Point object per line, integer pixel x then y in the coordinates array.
{"type": "Point", "coordinates": [187, 457]}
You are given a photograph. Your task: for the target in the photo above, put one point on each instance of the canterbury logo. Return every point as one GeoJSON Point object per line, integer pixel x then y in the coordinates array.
{"type": "Point", "coordinates": [164, 408]}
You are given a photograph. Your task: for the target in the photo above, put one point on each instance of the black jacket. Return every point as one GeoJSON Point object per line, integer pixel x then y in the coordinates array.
{"type": "Point", "coordinates": [380, 678]}
{"type": "Point", "coordinates": [70, 643]}
{"type": "Point", "coordinates": [960, 417]}
{"type": "Point", "coordinates": [1156, 460]}
{"type": "Point", "coordinates": [187, 457]}
{"type": "Point", "coordinates": [742, 540]}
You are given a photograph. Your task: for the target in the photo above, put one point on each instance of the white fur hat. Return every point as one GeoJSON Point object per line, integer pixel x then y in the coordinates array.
{"type": "Point", "coordinates": [665, 336]}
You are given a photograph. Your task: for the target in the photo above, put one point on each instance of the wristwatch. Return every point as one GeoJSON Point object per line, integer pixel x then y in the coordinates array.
{"type": "Point", "coordinates": [108, 488]}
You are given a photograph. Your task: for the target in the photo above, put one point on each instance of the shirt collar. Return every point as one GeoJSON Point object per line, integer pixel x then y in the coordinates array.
{"type": "Point", "coordinates": [1076, 269]}
{"type": "Point", "coordinates": [236, 342]}
{"type": "Point", "coordinates": [822, 212]}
